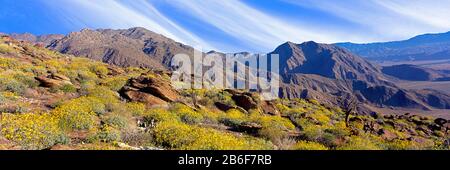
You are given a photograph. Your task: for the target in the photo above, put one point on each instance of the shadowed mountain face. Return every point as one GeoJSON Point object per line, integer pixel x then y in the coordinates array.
{"type": "Point", "coordinates": [415, 73]}
{"type": "Point", "coordinates": [325, 60]}
{"type": "Point", "coordinates": [328, 73]}
{"type": "Point", "coordinates": [422, 47]}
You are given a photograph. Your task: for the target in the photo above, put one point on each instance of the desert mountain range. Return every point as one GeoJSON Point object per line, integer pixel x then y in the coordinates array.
{"type": "Point", "coordinates": [329, 73]}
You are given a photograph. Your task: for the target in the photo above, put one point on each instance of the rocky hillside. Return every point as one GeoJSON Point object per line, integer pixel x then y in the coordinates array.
{"type": "Point", "coordinates": [422, 47]}
{"type": "Point", "coordinates": [132, 47]}
{"type": "Point", "coordinates": [56, 101]}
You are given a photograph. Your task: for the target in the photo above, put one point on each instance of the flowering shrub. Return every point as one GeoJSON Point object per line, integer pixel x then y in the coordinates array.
{"type": "Point", "coordinates": [160, 115]}
{"type": "Point", "coordinates": [360, 143]}
{"type": "Point", "coordinates": [233, 118]}
{"type": "Point", "coordinates": [79, 113]}
{"type": "Point", "coordinates": [307, 145]}
{"type": "Point", "coordinates": [186, 114]}
{"type": "Point", "coordinates": [32, 131]}
{"type": "Point", "coordinates": [182, 136]}
{"type": "Point", "coordinates": [115, 83]}
{"type": "Point", "coordinates": [136, 109]}
{"type": "Point", "coordinates": [273, 127]}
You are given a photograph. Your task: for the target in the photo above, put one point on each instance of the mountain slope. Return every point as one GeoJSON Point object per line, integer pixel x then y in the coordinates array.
{"type": "Point", "coordinates": [422, 47]}
{"type": "Point", "coordinates": [330, 73]}
{"type": "Point", "coordinates": [131, 47]}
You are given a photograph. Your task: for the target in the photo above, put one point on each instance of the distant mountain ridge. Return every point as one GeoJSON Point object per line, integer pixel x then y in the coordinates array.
{"type": "Point", "coordinates": [415, 73]}
{"type": "Point", "coordinates": [332, 74]}
{"type": "Point", "coordinates": [41, 39]}
{"type": "Point", "coordinates": [422, 47]}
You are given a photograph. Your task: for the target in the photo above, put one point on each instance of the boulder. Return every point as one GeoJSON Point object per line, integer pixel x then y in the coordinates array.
{"type": "Point", "coordinates": [269, 108]}
{"type": "Point", "coordinates": [245, 101]}
{"type": "Point", "coordinates": [60, 77]}
{"type": "Point", "coordinates": [249, 101]}
{"type": "Point", "coordinates": [50, 82]}
{"type": "Point", "coordinates": [114, 70]}
{"type": "Point", "coordinates": [150, 89]}
{"type": "Point", "coordinates": [146, 98]}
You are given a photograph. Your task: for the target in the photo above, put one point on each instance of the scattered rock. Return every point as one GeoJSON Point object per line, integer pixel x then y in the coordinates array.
{"type": "Point", "coordinates": [371, 127]}
{"type": "Point", "coordinates": [389, 116]}
{"type": "Point", "coordinates": [440, 121]}
{"type": "Point", "coordinates": [269, 108]}
{"type": "Point", "coordinates": [128, 147]}
{"type": "Point", "coordinates": [226, 107]}
{"type": "Point", "coordinates": [114, 70]}
{"type": "Point", "coordinates": [60, 77]}
{"type": "Point", "coordinates": [50, 82]}
{"type": "Point", "coordinates": [248, 127]}
{"type": "Point", "coordinates": [387, 135]}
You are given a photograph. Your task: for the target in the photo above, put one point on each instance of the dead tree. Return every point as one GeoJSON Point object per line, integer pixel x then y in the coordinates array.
{"type": "Point", "coordinates": [349, 107]}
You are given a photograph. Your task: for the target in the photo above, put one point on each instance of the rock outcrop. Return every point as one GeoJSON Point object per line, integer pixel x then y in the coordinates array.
{"type": "Point", "coordinates": [149, 88]}
{"type": "Point", "coordinates": [53, 81]}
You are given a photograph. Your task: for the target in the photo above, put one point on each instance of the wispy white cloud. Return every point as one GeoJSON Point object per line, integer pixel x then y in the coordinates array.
{"type": "Point", "coordinates": [432, 13]}
{"type": "Point", "coordinates": [123, 14]}
{"type": "Point", "coordinates": [387, 19]}
{"type": "Point", "coordinates": [256, 29]}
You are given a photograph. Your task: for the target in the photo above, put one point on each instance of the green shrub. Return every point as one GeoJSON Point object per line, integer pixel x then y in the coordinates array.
{"type": "Point", "coordinates": [158, 115]}
{"type": "Point", "coordinates": [12, 85]}
{"type": "Point", "coordinates": [117, 121]}
{"type": "Point", "coordinates": [68, 88]}
{"type": "Point", "coordinates": [106, 134]}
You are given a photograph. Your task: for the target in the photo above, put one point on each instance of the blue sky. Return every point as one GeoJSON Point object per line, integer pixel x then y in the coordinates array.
{"type": "Point", "coordinates": [235, 25]}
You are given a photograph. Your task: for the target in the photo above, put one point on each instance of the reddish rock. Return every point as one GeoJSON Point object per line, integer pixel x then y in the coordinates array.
{"type": "Point", "coordinates": [146, 98]}
{"type": "Point", "coordinates": [149, 89]}
{"type": "Point", "coordinates": [51, 83]}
